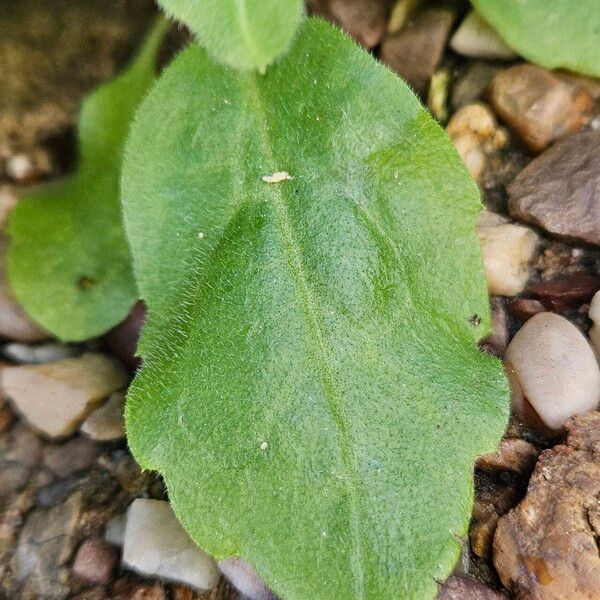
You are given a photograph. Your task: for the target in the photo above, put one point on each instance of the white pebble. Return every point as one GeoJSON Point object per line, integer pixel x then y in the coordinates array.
{"type": "Point", "coordinates": [156, 545]}
{"type": "Point", "coordinates": [245, 579]}
{"type": "Point", "coordinates": [551, 366]}
{"type": "Point", "coordinates": [43, 353]}
{"type": "Point", "coordinates": [19, 167]}
{"type": "Point", "coordinates": [508, 250]}
{"type": "Point", "coordinates": [474, 37]}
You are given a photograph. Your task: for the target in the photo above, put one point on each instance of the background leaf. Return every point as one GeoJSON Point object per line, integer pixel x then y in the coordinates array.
{"type": "Point", "coordinates": [246, 34]}
{"type": "Point", "coordinates": [311, 387]}
{"type": "Point", "coordinates": [553, 33]}
{"type": "Point", "coordinates": [69, 262]}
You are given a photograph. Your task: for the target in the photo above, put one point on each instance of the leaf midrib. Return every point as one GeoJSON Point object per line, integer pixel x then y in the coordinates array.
{"type": "Point", "coordinates": [311, 313]}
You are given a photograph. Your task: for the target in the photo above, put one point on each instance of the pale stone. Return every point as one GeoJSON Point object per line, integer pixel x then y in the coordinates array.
{"type": "Point", "coordinates": [39, 355]}
{"type": "Point", "coordinates": [19, 167]}
{"type": "Point", "coordinates": [107, 422]}
{"type": "Point", "coordinates": [156, 545]}
{"type": "Point", "coordinates": [508, 250]}
{"type": "Point", "coordinates": [472, 118]}
{"type": "Point", "coordinates": [553, 370]}
{"type": "Point", "coordinates": [470, 151]}
{"type": "Point", "coordinates": [245, 579]}
{"type": "Point", "coordinates": [56, 397]}
{"type": "Point", "coordinates": [474, 37]}
{"type": "Point", "coordinates": [476, 135]}
{"type": "Point", "coordinates": [594, 315]}
{"type": "Point", "coordinates": [115, 530]}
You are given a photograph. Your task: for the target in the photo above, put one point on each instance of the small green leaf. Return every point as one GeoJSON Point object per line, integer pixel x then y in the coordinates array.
{"type": "Point", "coordinates": [69, 262]}
{"type": "Point", "coordinates": [311, 390]}
{"type": "Point", "coordinates": [553, 33]}
{"type": "Point", "coordinates": [245, 34]}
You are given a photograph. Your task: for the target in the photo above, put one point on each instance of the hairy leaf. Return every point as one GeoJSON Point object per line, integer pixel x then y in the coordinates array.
{"type": "Point", "coordinates": [553, 33]}
{"type": "Point", "coordinates": [69, 262]}
{"type": "Point", "coordinates": [246, 34]}
{"type": "Point", "coordinates": [312, 391]}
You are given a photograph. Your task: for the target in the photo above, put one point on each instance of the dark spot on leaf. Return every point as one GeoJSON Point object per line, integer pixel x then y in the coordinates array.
{"type": "Point", "coordinates": [475, 320]}
{"type": "Point", "coordinates": [85, 283]}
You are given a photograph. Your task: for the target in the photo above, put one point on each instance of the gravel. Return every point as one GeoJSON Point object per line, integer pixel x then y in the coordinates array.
{"type": "Point", "coordinates": [538, 105]}
{"type": "Point", "coordinates": [56, 397]}
{"type": "Point", "coordinates": [546, 548]}
{"type": "Point", "coordinates": [416, 50]}
{"type": "Point", "coordinates": [560, 190]}
{"type": "Point", "coordinates": [508, 251]}
{"type": "Point", "coordinates": [475, 38]}
{"type": "Point", "coordinates": [155, 544]}
{"type": "Point", "coordinates": [552, 371]}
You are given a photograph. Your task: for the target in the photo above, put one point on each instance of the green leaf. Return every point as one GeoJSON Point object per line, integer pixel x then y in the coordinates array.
{"type": "Point", "coordinates": [245, 34]}
{"type": "Point", "coordinates": [69, 262]}
{"type": "Point", "coordinates": [553, 33]}
{"type": "Point", "coordinates": [311, 390]}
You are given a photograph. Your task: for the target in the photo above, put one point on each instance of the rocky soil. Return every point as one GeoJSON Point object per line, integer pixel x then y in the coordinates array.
{"type": "Point", "coordinates": [78, 517]}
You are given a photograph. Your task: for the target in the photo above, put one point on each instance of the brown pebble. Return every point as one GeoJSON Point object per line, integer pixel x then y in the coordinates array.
{"type": "Point", "coordinates": [364, 20]}
{"type": "Point", "coordinates": [590, 84]}
{"type": "Point", "coordinates": [95, 593]}
{"type": "Point", "coordinates": [416, 50]}
{"type": "Point", "coordinates": [513, 455]}
{"type": "Point", "coordinates": [127, 588]}
{"type": "Point", "coordinates": [539, 106]}
{"type": "Point", "coordinates": [179, 592]}
{"type": "Point", "coordinates": [22, 446]}
{"type": "Point", "coordinates": [466, 588]}
{"type": "Point", "coordinates": [122, 340]}
{"type": "Point", "coordinates": [525, 308]}
{"type": "Point", "coordinates": [75, 455]}
{"type": "Point", "coordinates": [95, 561]}
{"type": "Point", "coordinates": [566, 292]}
{"type": "Point", "coordinates": [7, 418]}
{"type": "Point", "coordinates": [56, 397]}
{"type": "Point", "coordinates": [559, 191]}
{"type": "Point", "coordinates": [546, 548]}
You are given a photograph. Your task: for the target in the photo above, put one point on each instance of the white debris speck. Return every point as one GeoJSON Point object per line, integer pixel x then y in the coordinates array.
{"type": "Point", "coordinates": [19, 167]}
{"type": "Point", "coordinates": [228, 102]}
{"type": "Point", "coordinates": [264, 446]}
{"type": "Point", "coordinates": [277, 177]}
{"type": "Point", "coordinates": [200, 235]}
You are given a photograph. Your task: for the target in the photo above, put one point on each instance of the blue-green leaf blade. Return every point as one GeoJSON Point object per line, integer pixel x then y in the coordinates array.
{"type": "Point", "coordinates": [553, 33]}
{"type": "Point", "coordinates": [311, 389]}
{"type": "Point", "coordinates": [245, 34]}
{"type": "Point", "coordinates": [69, 262]}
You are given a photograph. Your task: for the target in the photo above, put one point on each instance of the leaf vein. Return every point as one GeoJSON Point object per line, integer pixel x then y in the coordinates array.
{"type": "Point", "coordinates": [314, 329]}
